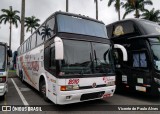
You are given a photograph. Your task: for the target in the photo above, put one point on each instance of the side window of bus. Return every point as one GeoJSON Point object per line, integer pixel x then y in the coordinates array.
{"type": "Point", "coordinates": [118, 56]}
{"type": "Point", "coordinates": [49, 28]}
{"type": "Point", "coordinates": [49, 58]}
{"type": "Point", "coordinates": [33, 40]}
{"type": "Point", "coordinates": [52, 57]}
{"type": "Point", "coordinates": [41, 35]}
{"type": "Point", "coordinates": [46, 58]}
{"type": "Point", "coordinates": [139, 60]}
{"type": "Point", "coordinates": [24, 47]}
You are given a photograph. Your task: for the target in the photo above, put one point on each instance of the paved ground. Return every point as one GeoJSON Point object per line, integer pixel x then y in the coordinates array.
{"type": "Point", "coordinates": [32, 97]}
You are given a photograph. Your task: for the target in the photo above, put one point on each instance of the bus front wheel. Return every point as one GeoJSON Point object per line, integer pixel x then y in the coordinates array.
{"type": "Point", "coordinates": [43, 90]}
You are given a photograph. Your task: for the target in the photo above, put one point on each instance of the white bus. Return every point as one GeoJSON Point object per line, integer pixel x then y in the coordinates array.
{"type": "Point", "coordinates": [68, 59]}
{"type": "Point", "coordinates": [5, 53]}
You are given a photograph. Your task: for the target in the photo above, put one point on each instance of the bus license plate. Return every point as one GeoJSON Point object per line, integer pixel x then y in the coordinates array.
{"type": "Point", "coordinates": [140, 88]}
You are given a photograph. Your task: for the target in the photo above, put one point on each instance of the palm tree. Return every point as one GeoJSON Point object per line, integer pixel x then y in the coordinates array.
{"type": "Point", "coordinates": [96, 2]}
{"type": "Point", "coordinates": [135, 5]}
{"type": "Point", "coordinates": [46, 32]}
{"type": "Point", "coordinates": [10, 16]}
{"type": "Point", "coordinates": [152, 15]}
{"type": "Point", "coordinates": [117, 6]}
{"type": "Point", "coordinates": [66, 5]}
{"type": "Point", "coordinates": [22, 21]}
{"type": "Point", "coordinates": [31, 23]}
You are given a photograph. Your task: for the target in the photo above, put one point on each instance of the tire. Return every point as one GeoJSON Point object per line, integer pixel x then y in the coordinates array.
{"type": "Point", "coordinates": [21, 77]}
{"type": "Point", "coordinates": [43, 90]}
{"type": "Point", "coordinates": [154, 91]}
{"type": "Point", "coordinates": [2, 98]}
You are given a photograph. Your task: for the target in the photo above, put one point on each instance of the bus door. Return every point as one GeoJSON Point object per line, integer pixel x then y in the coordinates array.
{"type": "Point", "coordinates": [133, 74]}
{"type": "Point", "coordinates": [50, 67]}
{"type": "Point", "coordinates": [122, 70]}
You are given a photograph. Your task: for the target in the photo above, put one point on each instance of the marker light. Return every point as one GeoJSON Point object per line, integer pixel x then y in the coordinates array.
{"type": "Point", "coordinates": [2, 79]}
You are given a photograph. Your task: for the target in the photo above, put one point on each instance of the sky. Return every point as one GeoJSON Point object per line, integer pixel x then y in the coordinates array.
{"type": "Point", "coordinates": [42, 9]}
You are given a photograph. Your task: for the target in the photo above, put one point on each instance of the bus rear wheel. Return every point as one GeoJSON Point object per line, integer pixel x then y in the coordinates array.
{"type": "Point", "coordinates": [21, 76]}
{"type": "Point", "coordinates": [43, 90]}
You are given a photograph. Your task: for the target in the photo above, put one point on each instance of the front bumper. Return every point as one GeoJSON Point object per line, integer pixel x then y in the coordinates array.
{"type": "Point", "coordinates": [3, 89]}
{"type": "Point", "coordinates": [67, 97]}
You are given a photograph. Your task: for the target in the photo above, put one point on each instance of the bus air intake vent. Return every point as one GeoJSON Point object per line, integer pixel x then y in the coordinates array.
{"type": "Point", "coordinates": [92, 95]}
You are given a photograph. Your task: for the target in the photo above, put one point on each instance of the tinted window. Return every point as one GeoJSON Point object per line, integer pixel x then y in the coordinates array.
{"type": "Point", "coordinates": [86, 58]}
{"type": "Point", "coordinates": [77, 57]}
{"type": "Point", "coordinates": [48, 29]}
{"type": "Point", "coordinates": [41, 35]}
{"type": "Point", "coordinates": [103, 58]}
{"type": "Point", "coordinates": [150, 27]}
{"type": "Point", "coordinates": [123, 29]}
{"type": "Point", "coordinates": [27, 45]}
{"type": "Point", "coordinates": [71, 24]}
{"type": "Point", "coordinates": [24, 47]}
{"type": "Point", "coordinates": [33, 41]}
{"type": "Point", "coordinates": [52, 58]}
{"type": "Point", "coordinates": [139, 60]}
{"type": "Point", "coordinates": [46, 58]}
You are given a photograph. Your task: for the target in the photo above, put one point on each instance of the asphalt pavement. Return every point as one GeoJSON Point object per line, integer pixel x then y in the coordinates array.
{"type": "Point", "coordinates": [20, 93]}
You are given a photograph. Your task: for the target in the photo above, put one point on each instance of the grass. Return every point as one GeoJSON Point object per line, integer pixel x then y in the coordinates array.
{"type": "Point", "coordinates": [12, 70]}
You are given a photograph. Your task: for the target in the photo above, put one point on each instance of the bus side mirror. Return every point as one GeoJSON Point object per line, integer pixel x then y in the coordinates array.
{"type": "Point", "coordinates": [59, 50]}
{"type": "Point", "coordinates": [124, 51]}
{"type": "Point", "coordinates": [9, 53]}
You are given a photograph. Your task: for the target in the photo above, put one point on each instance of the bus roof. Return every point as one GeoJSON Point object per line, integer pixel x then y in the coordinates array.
{"type": "Point", "coordinates": [2, 43]}
{"type": "Point", "coordinates": [72, 14]}
{"type": "Point", "coordinates": [132, 27]}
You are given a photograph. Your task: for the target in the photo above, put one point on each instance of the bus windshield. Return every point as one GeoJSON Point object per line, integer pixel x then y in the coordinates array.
{"type": "Point", "coordinates": [76, 25]}
{"type": "Point", "coordinates": [86, 58]}
{"type": "Point", "coordinates": [150, 27]}
{"type": "Point", "coordinates": [2, 57]}
{"type": "Point", "coordinates": [155, 46]}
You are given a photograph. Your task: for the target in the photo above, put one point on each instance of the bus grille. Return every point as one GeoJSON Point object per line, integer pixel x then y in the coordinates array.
{"type": "Point", "coordinates": [92, 95]}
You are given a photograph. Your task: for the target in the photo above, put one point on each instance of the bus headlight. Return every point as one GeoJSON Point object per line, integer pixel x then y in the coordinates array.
{"type": "Point", "coordinates": [69, 87]}
{"type": "Point", "coordinates": [111, 83]}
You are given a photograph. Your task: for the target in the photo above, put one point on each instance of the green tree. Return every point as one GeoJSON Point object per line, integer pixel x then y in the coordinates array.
{"type": "Point", "coordinates": [46, 32]}
{"type": "Point", "coordinates": [31, 23]}
{"type": "Point", "coordinates": [135, 5]}
{"type": "Point", "coordinates": [10, 16]}
{"type": "Point", "coordinates": [152, 15]}
{"type": "Point", "coordinates": [117, 6]}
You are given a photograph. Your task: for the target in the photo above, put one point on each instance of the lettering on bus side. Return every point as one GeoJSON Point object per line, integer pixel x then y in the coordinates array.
{"type": "Point", "coordinates": [73, 81]}
{"type": "Point", "coordinates": [108, 79]}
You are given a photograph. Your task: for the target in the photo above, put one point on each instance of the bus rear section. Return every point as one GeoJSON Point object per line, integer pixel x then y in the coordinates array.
{"type": "Point", "coordinates": [141, 40]}
{"type": "Point", "coordinates": [5, 53]}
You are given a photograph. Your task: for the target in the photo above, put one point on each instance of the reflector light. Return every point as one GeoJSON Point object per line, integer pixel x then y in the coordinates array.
{"type": "Point", "coordinates": [2, 79]}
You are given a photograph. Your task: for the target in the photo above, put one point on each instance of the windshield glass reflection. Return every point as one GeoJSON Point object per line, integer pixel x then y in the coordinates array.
{"type": "Point", "coordinates": [86, 58]}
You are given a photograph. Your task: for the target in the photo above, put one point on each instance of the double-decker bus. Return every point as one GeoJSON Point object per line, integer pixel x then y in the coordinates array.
{"type": "Point", "coordinates": [5, 53]}
{"type": "Point", "coordinates": [141, 38]}
{"type": "Point", "coordinates": [68, 59]}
